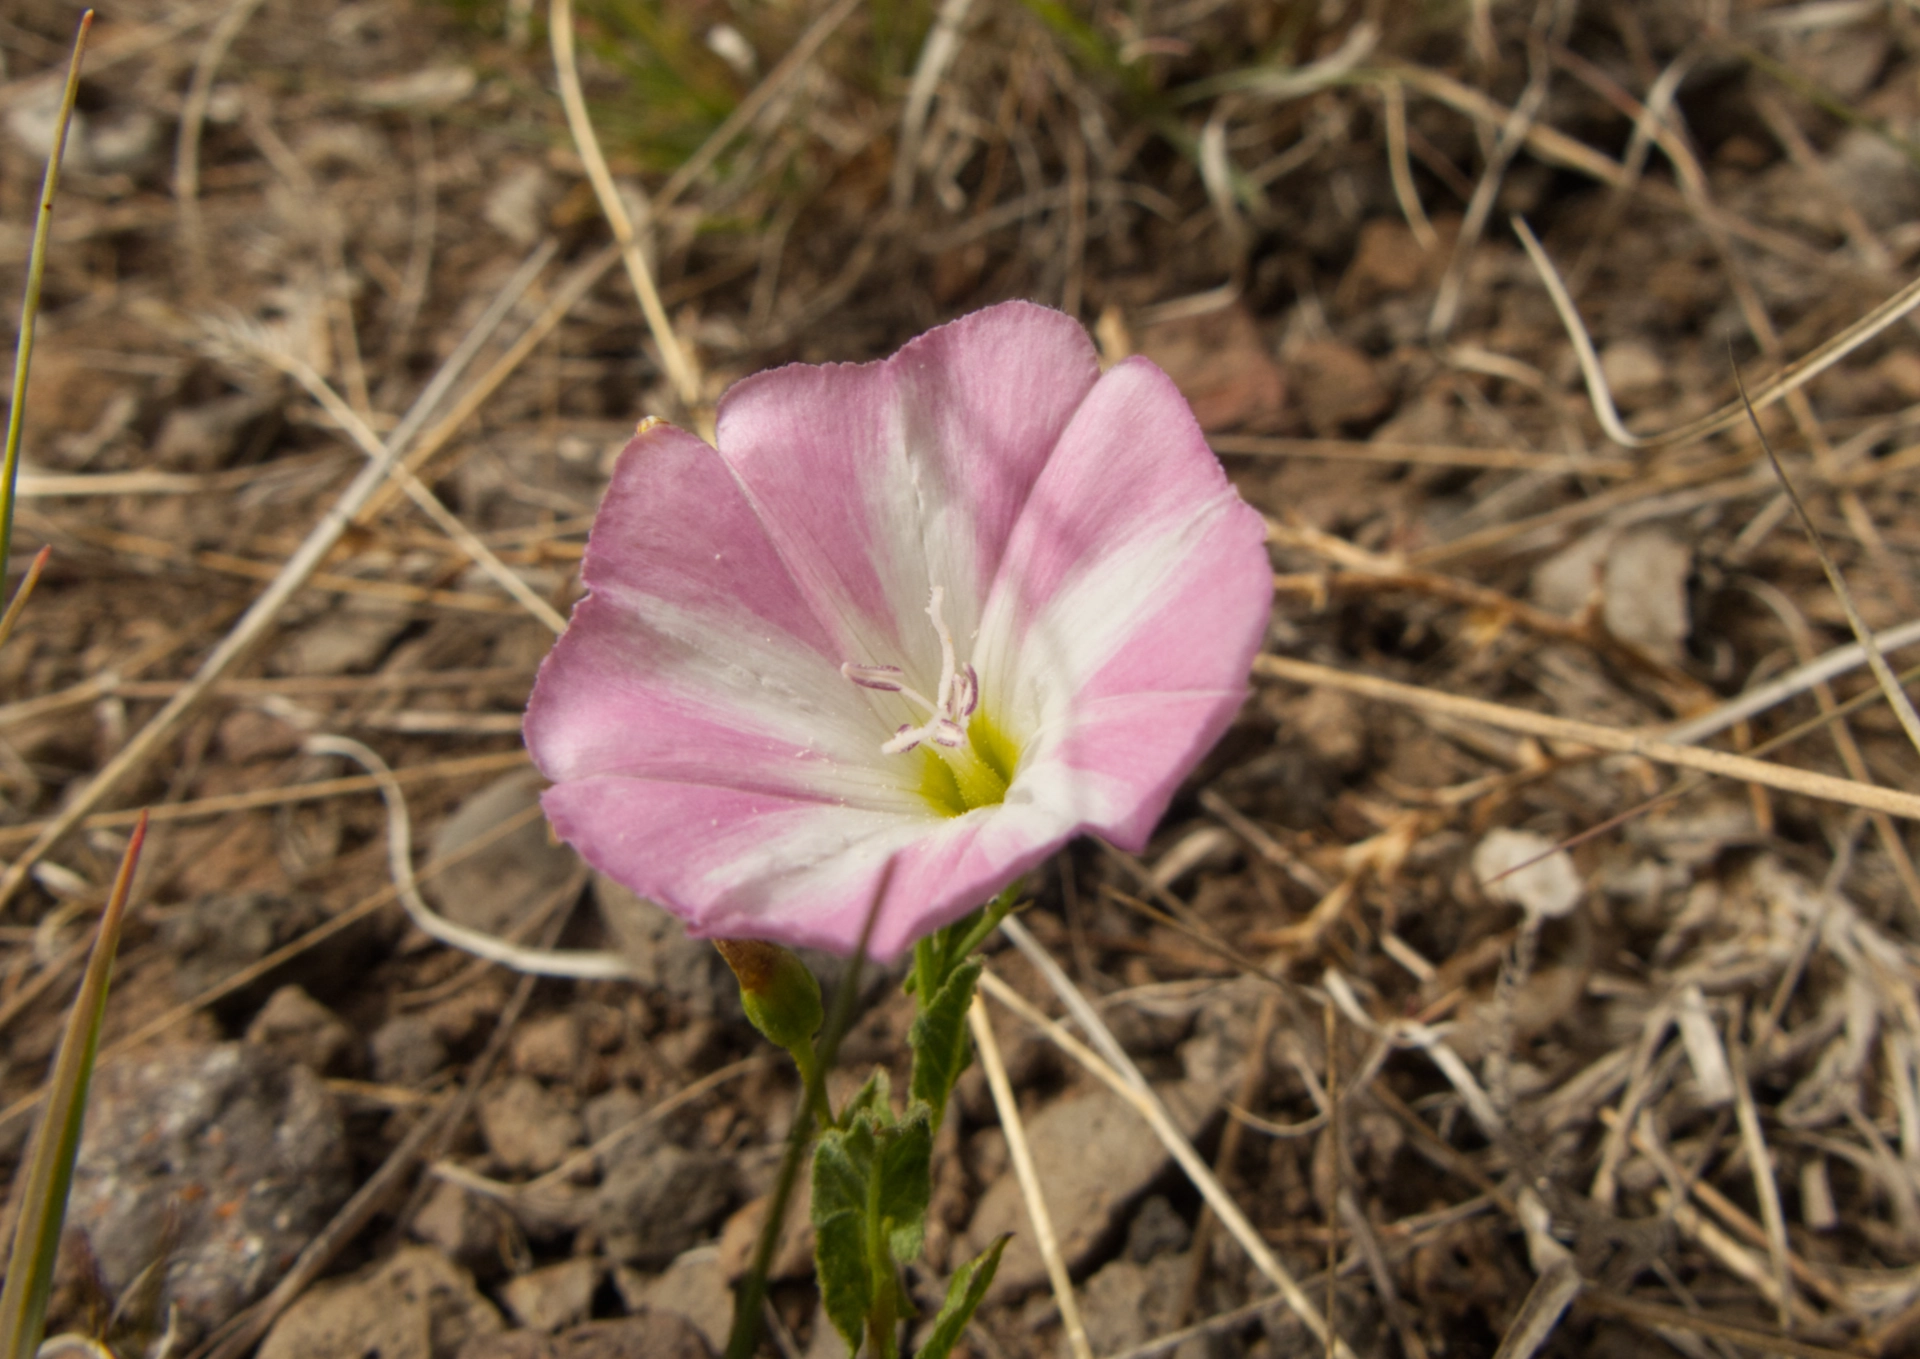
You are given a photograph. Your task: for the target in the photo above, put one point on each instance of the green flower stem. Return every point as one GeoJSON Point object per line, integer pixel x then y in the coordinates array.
{"type": "Point", "coordinates": [815, 1083]}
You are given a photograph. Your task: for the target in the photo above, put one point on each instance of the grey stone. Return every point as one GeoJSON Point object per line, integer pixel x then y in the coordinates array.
{"type": "Point", "coordinates": [527, 1127]}
{"type": "Point", "coordinates": [1126, 1304]}
{"type": "Point", "coordinates": [417, 1305]}
{"type": "Point", "coordinates": [655, 1205]}
{"type": "Point", "coordinates": [1156, 1230]}
{"type": "Point", "coordinates": [650, 1335]}
{"type": "Point", "coordinates": [664, 959]}
{"type": "Point", "coordinates": [1095, 1155]}
{"type": "Point", "coordinates": [220, 1162]}
{"type": "Point", "coordinates": [694, 1287]}
{"type": "Point", "coordinates": [459, 1225]}
{"type": "Point", "coordinates": [612, 1110]}
{"type": "Point", "coordinates": [494, 887]}
{"type": "Point", "coordinates": [406, 1051]}
{"type": "Point", "coordinates": [295, 1027]}
{"type": "Point", "coordinates": [550, 1047]}
{"type": "Point", "coordinates": [217, 935]}
{"type": "Point", "coordinates": [558, 1296]}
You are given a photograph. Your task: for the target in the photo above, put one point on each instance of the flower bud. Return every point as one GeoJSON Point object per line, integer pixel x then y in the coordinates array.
{"type": "Point", "coordinates": [778, 991]}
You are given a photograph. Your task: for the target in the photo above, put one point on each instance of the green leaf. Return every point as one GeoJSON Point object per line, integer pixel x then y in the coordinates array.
{"type": "Point", "coordinates": [30, 303]}
{"type": "Point", "coordinates": [840, 1232]}
{"type": "Point", "coordinates": [964, 1293]}
{"type": "Point", "coordinates": [49, 1173]}
{"type": "Point", "coordinates": [875, 1099]}
{"type": "Point", "coordinates": [904, 1175]}
{"type": "Point", "coordinates": [939, 1040]}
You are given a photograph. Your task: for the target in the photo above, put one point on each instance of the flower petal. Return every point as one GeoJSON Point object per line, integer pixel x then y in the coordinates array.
{"type": "Point", "coordinates": [1130, 602]}
{"type": "Point", "coordinates": [880, 480]}
{"type": "Point", "coordinates": [700, 664]}
{"type": "Point", "coordinates": [755, 865]}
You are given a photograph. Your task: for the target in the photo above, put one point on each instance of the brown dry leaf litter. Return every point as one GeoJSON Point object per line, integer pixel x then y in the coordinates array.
{"type": "Point", "coordinates": [1669, 1076]}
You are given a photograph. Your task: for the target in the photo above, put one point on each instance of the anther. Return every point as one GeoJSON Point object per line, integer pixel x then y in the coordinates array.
{"type": "Point", "coordinates": [953, 702]}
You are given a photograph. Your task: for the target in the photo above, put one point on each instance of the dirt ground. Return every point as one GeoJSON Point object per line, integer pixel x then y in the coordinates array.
{"type": "Point", "coordinates": [1671, 1073]}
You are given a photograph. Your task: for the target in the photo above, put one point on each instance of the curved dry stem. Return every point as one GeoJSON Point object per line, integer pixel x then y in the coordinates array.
{"type": "Point", "coordinates": [577, 964]}
{"type": "Point", "coordinates": [1788, 380]}
{"type": "Point", "coordinates": [680, 368]}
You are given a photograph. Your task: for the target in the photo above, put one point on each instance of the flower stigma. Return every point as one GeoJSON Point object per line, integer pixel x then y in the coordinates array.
{"type": "Point", "coordinates": [966, 760]}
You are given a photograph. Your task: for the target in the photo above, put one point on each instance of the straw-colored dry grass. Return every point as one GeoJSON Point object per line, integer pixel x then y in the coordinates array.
{"type": "Point", "coordinates": [300, 245]}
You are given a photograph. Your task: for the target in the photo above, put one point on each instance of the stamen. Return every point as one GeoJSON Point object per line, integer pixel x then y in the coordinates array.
{"type": "Point", "coordinates": [954, 701]}
{"type": "Point", "coordinates": [888, 679]}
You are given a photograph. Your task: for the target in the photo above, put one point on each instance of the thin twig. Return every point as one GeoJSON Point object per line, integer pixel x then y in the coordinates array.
{"type": "Point", "coordinates": [1784, 777]}
{"type": "Point", "coordinates": [1876, 662]}
{"type": "Point", "coordinates": [680, 369]}
{"type": "Point", "coordinates": [580, 965]}
{"type": "Point", "coordinates": [1021, 1154]}
{"type": "Point", "coordinates": [1182, 1150]}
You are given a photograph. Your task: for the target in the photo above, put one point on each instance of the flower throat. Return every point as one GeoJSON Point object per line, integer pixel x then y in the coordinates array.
{"type": "Point", "coordinates": [966, 760]}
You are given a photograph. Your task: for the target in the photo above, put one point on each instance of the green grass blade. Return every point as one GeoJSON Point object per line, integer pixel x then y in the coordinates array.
{"type": "Point", "coordinates": [43, 1207]}
{"type": "Point", "coordinates": [30, 306]}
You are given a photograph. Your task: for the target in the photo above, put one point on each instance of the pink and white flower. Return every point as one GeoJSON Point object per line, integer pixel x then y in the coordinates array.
{"type": "Point", "coordinates": [949, 609]}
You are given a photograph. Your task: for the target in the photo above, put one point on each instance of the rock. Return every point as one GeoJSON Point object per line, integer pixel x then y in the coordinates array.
{"type": "Point", "coordinates": [792, 1257]}
{"type": "Point", "coordinates": [492, 888]}
{"type": "Point", "coordinates": [1388, 259]}
{"type": "Point", "coordinates": [1569, 581]}
{"type": "Point", "coordinates": [1156, 1230]}
{"type": "Point", "coordinates": [295, 1027]}
{"type": "Point", "coordinates": [406, 1051]}
{"type": "Point", "coordinates": [1337, 386]}
{"type": "Point", "coordinates": [417, 1305]}
{"type": "Point", "coordinates": [1646, 592]}
{"type": "Point", "coordinates": [1126, 1304]}
{"type": "Point", "coordinates": [612, 1110]}
{"type": "Point", "coordinates": [1875, 177]}
{"type": "Point", "coordinates": [551, 1298]}
{"type": "Point", "coordinates": [350, 636]}
{"type": "Point", "coordinates": [649, 1336]}
{"type": "Point", "coordinates": [1546, 888]}
{"type": "Point", "coordinates": [695, 1288]}
{"type": "Point", "coordinates": [518, 203]}
{"type": "Point", "coordinates": [654, 1335]}
{"type": "Point", "coordinates": [653, 1206]}
{"type": "Point", "coordinates": [1220, 362]}
{"type": "Point", "coordinates": [455, 1222]}
{"type": "Point", "coordinates": [508, 1345]}
{"type": "Point", "coordinates": [1635, 375]}
{"type": "Point", "coordinates": [826, 1343]}
{"type": "Point", "coordinates": [664, 959]}
{"type": "Point", "coordinates": [528, 1129]}
{"type": "Point", "coordinates": [218, 1163]}
{"type": "Point", "coordinates": [431, 88]}
{"type": "Point", "coordinates": [219, 934]}
{"type": "Point", "coordinates": [1094, 1155]}
{"type": "Point", "coordinates": [549, 1048]}
{"type": "Point", "coordinates": [204, 438]}
{"type": "Point", "coordinates": [249, 734]}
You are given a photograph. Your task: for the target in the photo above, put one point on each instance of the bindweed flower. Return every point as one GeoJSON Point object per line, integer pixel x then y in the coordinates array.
{"type": "Point", "coordinates": [948, 610]}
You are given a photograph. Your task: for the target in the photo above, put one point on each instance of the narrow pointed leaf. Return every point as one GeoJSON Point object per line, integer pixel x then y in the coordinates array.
{"type": "Point", "coordinates": [964, 1293]}
{"type": "Point", "coordinates": [939, 1040]}
{"type": "Point", "coordinates": [36, 272]}
{"type": "Point", "coordinates": [43, 1206]}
